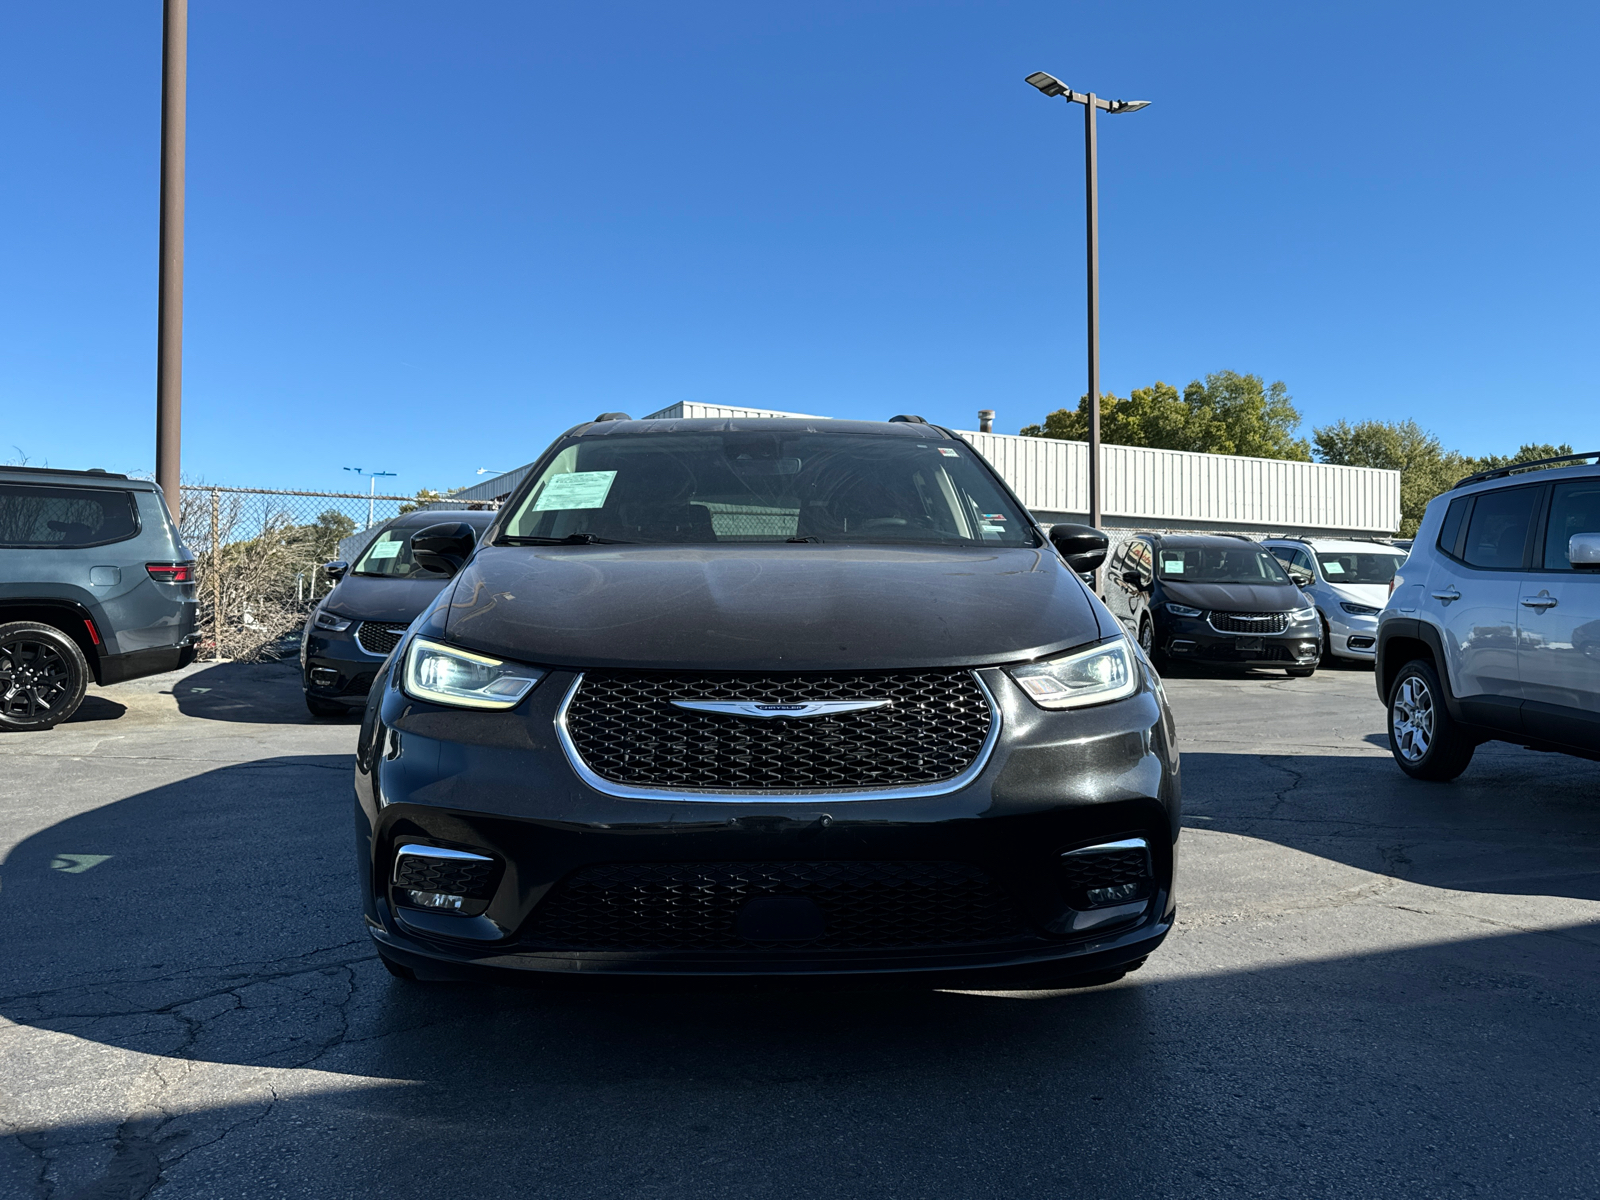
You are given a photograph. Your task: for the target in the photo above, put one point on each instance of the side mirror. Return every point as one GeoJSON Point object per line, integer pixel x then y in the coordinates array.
{"type": "Point", "coordinates": [1300, 577]}
{"type": "Point", "coordinates": [1583, 551]}
{"type": "Point", "coordinates": [1083, 546]}
{"type": "Point", "coordinates": [336, 570]}
{"type": "Point", "coordinates": [443, 548]}
{"type": "Point", "coordinates": [1132, 578]}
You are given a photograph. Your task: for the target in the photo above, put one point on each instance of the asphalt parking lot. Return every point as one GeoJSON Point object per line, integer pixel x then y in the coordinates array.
{"type": "Point", "coordinates": [1376, 988]}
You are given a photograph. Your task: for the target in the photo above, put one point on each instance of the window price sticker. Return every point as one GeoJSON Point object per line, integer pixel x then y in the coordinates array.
{"type": "Point", "coordinates": [580, 489]}
{"type": "Point", "coordinates": [386, 549]}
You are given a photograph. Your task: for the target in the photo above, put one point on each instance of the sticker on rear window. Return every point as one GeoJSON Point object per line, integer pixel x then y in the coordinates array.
{"type": "Point", "coordinates": [581, 489]}
{"type": "Point", "coordinates": [948, 453]}
{"type": "Point", "coordinates": [386, 549]}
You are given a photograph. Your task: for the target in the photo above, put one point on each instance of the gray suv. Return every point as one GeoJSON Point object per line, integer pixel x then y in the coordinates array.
{"type": "Point", "coordinates": [1492, 629]}
{"type": "Point", "coordinates": [95, 586]}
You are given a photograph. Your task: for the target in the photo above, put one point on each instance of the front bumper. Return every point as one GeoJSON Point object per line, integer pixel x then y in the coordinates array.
{"type": "Point", "coordinates": [1353, 636]}
{"type": "Point", "coordinates": [500, 784]}
{"type": "Point", "coordinates": [335, 668]}
{"type": "Point", "coordinates": [1193, 639]}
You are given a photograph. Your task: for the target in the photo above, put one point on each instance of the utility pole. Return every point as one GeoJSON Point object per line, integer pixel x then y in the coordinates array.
{"type": "Point", "coordinates": [1051, 86]}
{"type": "Point", "coordinates": [169, 319]}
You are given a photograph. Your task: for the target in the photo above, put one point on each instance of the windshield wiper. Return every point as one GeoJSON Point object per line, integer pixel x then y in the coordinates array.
{"type": "Point", "coordinates": [572, 539]}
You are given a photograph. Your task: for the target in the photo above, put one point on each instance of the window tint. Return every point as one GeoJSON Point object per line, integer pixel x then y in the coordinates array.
{"type": "Point", "coordinates": [64, 517]}
{"type": "Point", "coordinates": [1360, 568]}
{"type": "Point", "coordinates": [1574, 508]}
{"type": "Point", "coordinates": [390, 555]}
{"type": "Point", "coordinates": [1498, 530]}
{"type": "Point", "coordinates": [1450, 530]}
{"type": "Point", "coordinates": [759, 486]}
{"type": "Point", "coordinates": [1244, 563]}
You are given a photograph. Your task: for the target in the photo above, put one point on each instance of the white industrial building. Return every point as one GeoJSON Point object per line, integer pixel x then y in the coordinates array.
{"type": "Point", "coordinates": [1141, 488]}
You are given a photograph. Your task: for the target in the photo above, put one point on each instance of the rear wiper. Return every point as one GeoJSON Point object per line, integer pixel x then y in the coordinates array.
{"type": "Point", "coordinates": [572, 539]}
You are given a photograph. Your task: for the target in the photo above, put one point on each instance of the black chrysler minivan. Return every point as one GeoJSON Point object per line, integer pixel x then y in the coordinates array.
{"type": "Point", "coordinates": [766, 697]}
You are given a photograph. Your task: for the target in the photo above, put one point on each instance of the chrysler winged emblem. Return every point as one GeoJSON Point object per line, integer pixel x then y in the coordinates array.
{"type": "Point", "coordinates": [754, 708]}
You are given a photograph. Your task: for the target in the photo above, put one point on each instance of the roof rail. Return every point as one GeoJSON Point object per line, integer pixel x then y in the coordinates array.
{"type": "Point", "coordinates": [95, 472]}
{"type": "Point", "coordinates": [1501, 472]}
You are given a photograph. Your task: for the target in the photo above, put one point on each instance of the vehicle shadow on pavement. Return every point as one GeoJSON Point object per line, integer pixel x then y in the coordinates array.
{"type": "Point", "coordinates": [215, 921]}
{"type": "Point", "coordinates": [1515, 823]}
{"type": "Point", "coordinates": [249, 692]}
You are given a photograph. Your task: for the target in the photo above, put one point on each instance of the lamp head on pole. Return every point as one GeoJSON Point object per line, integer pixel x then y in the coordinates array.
{"type": "Point", "coordinates": [1122, 106]}
{"type": "Point", "coordinates": [1049, 84]}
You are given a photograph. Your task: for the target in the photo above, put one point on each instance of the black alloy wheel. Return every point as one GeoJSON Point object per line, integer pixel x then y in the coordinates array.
{"type": "Point", "coordinates": [43, 676]}
{"type": "Point", "coordinates": [1147, 638]}
{"type": "Point", "coordinates": [1425, 740]}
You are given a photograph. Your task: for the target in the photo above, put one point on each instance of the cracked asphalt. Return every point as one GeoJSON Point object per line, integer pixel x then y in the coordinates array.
{"type": "Point", "coordinates": [1376, 988]}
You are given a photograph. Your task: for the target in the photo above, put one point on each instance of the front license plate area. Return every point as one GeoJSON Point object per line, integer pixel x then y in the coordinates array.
{"type": "Point", "coordinates": [1250, 645]}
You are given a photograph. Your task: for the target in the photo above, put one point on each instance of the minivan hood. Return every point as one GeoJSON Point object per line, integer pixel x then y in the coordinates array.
{"type": "Point", "coordinates": [375, 598]}
{"type": "Point", "coordinates": [780, 608]}
{"type": "Point", "coordinates": [1374, 595]}
{"type": "Point", "coordinates": [1236, 597]}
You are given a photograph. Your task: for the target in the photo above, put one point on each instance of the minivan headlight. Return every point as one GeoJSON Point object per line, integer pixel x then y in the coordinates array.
{"type": "Point", "coordinates": [443, 674]}
{"type": "Point", "coordinates": [1182, 610]}
{"type": "Point", "coordinates": [1097, 675]}
{"type": "Point", "coordinates": [1302, 615]}
{"type": "Point", "coordinates": [326, 620]}
{"type": "Point", "coordinates": [1359, 610]}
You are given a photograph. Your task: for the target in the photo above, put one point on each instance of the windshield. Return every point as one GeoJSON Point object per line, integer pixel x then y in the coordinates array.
{"type": "Point", "coordinates": [390, 555]}
{"type": "Point", "coordinates": [1360, 568]}
{"type": "Point", "coordinates": [732, 486]}
{"type": "Point", "coordinates": [1219, 564]}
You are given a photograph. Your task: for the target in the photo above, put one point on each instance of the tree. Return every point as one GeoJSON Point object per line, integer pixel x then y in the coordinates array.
{"type": "Point", "coordinates": [1426, 467]}
{"type": "Point", "coordinates": [426, 496]}
{"type": "Point", "coordinates": [1227, 414]}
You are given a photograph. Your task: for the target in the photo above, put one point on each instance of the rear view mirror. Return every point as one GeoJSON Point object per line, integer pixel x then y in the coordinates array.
{"type": "Point", "coordinates": [444, 548]}
{"type": "Point", "coordinates": [1583, 551]}
{"type": "Point", "coordinates": [1083, 546]}
{"type": "Point", "coordinates": [335, 570]}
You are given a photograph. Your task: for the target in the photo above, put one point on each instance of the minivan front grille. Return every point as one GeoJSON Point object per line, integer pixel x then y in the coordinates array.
{"type": "Point", "coordinates": [626, 729]}
{"type": "Point", "coordinates": [1267, 623]}
{"type": "Point", "coordinates": [380, 637]}
{"type": "Point", "coordinates": [699, 906]}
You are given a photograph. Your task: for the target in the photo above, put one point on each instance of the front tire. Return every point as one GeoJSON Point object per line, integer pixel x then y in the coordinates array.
{"type": "Point", "coordinates": [1424, 738]}
{"type": "Point", "coordinates": [43, 676]}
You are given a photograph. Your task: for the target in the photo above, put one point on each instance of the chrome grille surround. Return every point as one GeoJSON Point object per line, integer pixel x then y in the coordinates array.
{"type": "Point", "coordinates": [1249, 624]}
{"type": "Point", "coordinates": [777, 794]}
{"type": "Point", "coordinates": [380, 637]}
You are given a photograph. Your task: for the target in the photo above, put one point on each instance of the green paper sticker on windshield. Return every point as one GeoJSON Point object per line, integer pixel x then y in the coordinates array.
{"type": "Point", "coordinates": [1172, 566]}
{"type": "Point", "coordinates": [386, 549]}
{"type": "Point", "coordinates": [581, 489]}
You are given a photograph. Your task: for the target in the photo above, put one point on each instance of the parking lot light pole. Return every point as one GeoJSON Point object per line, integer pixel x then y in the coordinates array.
{"type": "Point", "coordinates": [169, 255]}
{"type": "Point", "coordinates": [373, 490]}
{"type": "Point", "coordinates": [1051, 86]}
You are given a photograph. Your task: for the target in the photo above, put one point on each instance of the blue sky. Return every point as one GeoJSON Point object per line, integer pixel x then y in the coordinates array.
{"type": "Point", "coordinates": [426, 238]}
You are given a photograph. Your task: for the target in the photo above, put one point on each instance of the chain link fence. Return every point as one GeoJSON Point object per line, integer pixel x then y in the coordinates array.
{"type": "Point", "coordinates": [260, 556]}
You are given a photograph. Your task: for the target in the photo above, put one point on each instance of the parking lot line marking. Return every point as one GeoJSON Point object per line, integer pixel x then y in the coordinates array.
{"type": "Point", "coordinates": [77, 864]}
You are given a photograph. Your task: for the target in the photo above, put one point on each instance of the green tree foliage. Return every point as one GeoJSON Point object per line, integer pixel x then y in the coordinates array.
{"type": "Point", "coordinates": [319, 542]}
{"type": "Point", "coordinates": [1426, 467]}
{"type": "Point", "coordinates": [1229, 413]}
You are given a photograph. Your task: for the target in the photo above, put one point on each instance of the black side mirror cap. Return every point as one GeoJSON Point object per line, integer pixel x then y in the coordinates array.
{"type": "Point", "coordinates": [444, 548]}
{"type": "Point", "coordinates": [1083, 546]}
{"type": "Point", "coordinates": [336, 570]}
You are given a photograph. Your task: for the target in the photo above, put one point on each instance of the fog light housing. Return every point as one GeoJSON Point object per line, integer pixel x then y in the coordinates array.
{"type": "Point", "coordinates": [1118, 894]}
{"type": "Point", "coordinates": [440, 879]}
{"type": "Point", "coordinates": [324, 676]}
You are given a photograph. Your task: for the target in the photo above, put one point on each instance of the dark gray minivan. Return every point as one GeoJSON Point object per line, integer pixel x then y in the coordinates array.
{"type": "Point", "coordinates": [96, 586]}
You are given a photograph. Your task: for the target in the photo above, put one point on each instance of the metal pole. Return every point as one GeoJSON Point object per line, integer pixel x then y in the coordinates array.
{"type": "Point", "coordinates": [1092, 197]}
{"type": "Point", "coordinates": [216, 576]}
{"type": "Point", "coordinates": [372, 500]}
{"type": "Point", "coordinates": [169, 319]}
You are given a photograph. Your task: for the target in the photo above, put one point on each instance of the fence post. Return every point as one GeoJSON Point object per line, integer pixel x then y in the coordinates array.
{"type": "Point", "coordinates": [216, 575]}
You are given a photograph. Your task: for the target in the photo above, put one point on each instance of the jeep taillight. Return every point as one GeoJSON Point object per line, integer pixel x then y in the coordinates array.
{"type": "Point", "coordinates": [171, 572]}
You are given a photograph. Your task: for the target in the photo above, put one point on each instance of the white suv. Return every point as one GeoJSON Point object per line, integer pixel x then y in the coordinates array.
{"type": "Point", "coordinates": [1493, 628]}
{"type": "Point", "coordinates": [1348, 581]}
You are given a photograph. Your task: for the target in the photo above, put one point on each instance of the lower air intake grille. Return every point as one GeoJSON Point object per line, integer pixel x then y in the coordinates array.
{"type": "Point", "coordinates": [1103, 869]}
{"type": "Point", "coordinates": [454, 877]}
{"type": "Point", "coordinates": [380, 637]}
{"type": "Point", "coordinates": [696, 906]}
{"type": "Point", "coordinates": [1270, 623]}
{"type": "Point", "coordinates": [627, 730]}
